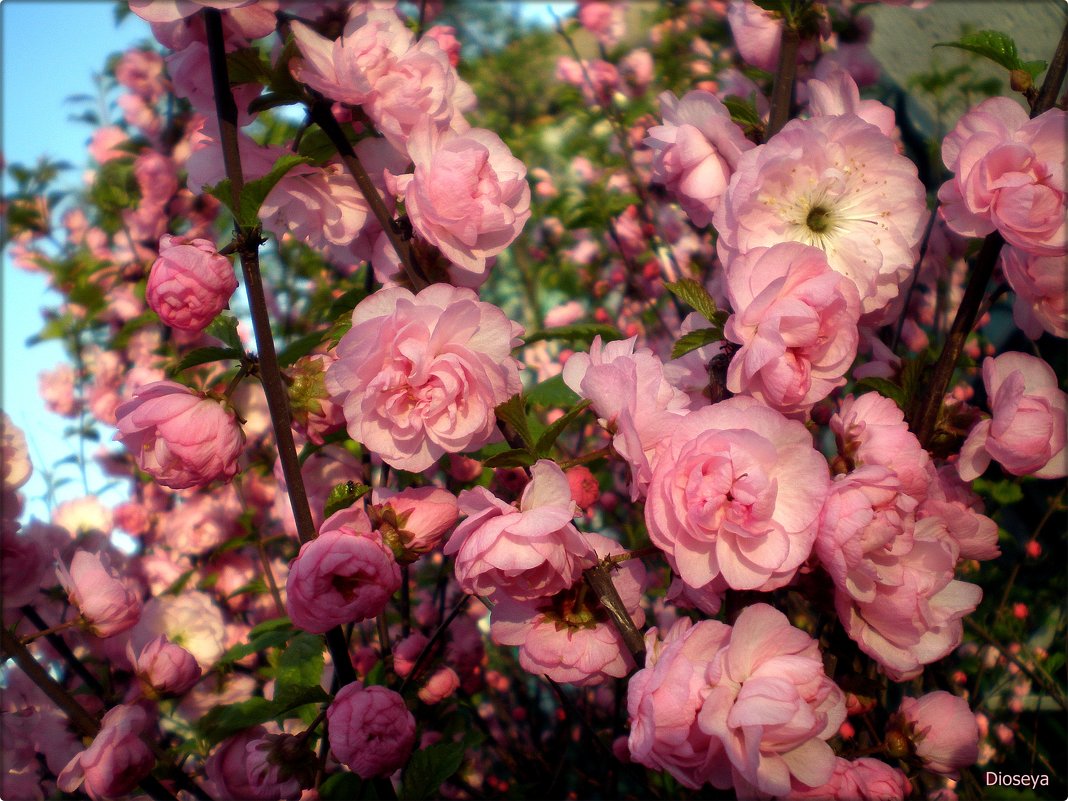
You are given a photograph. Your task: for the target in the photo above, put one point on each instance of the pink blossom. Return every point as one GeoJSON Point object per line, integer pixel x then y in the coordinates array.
{"type": "Point", "coordinates": [796, 320]}
{"type": "Point", "coordinates": [226, 765]}
{"type": "Point", "coordinates": [344, 575]}
{"type": "Point", "coordinates": [406, 653]}
{"type": "Point", "coordinates": [468, 195]}
{"type": "Point", "coordinates": [606, 21]}
{"type": "Point", "coordinates": [370, 729]}
{"type": "Point", "coordinates": [598, 79]}
{"type": "Point", "coordinates": [439, 686]}
{"type": "Point", "coordinates": [864, 779]}
{"type": "Point", "coordinates": [1041, 287]}
{"type": "Point", "coordinates": [23, 564]}
{"type": "Point", "coordinates": [445, 36]}
{"type": "Point", "coordinates": [1026, 432]}
{"type": "Point", "coordinates": [172, 10]}
{"type": "Point", "coordinates": [117, 760]}
{"type": "Point", "coordinates": [837, 94]}
{"type": "Point", "coordinates": [190, 70]}
{"type": "Point", "coordinates": [201, 522]}
{"type": "Point", "coordinates": [943, 731]}
{"type": "Point", "coordinates": [191, 618]}
{"type": "Point", "coordinates": [179, 436]}
{"type": "Point", "coordinates": [14, 456]}
{"type": "Point", "coordinates": [736, 493]}
{"type": "Point", "coordinates": [530, 552]}
{"type": "Point", "coordinates": [771, 705]}
{"type": "Point", "coordinates": [165, 667]}
{"type": "Point", "coordinates": [569, 637]}
{"type": "Point", "coordinates": [414, 521]}
{"type": "Point", "coordinates": [584, 488]}
{"type": "Point", "coordinates": [273, 765]}
{"type": "Point", "coordinates": [104, 145]}
{"type": "Point", "coordinates": [419, 376]}
{"type": "Point", "coordinates": [141, 71]}
{"type": "Point", "coordinates": [56, 388]}
{"type": "Point", "coordinates": [756, 33]}
{"type": "Point", "coordinates": [665, 698]}
{"type": "Point", "coordinates": [108, 605]}
{"type": "Point", "coordinates": [840, 185]}
{"type": "Point", "coordinates": [695, 151]}
{"type": "Point", "coordinates": [1009, 176]}
{"type": "Point", "coordinates": [952, 500]}
{"type": "Point", "coordinates": [190, 283]}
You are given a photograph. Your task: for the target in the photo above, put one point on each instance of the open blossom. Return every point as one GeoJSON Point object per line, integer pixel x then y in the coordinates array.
{"type": "Point", "coordinates": [226, 766]}
{"type": "Point", "coordinates": [1041, 287]}
{"type": "Point", "coordinates": [419, 376]}
{"type": "Point", "coordinates": [1008, 176]}
{"type": "Point", "coordinates": [370, 729]}
{"type": "Point", "coordinates": [116, 761]}
{"type": "Point", "coordinates": [344, 575]}
{"type": "Point", "coordinates": [736, 495]}
{"type": "Point", "coordinates": [179, 436]}
{"type": "Point", "coordinates": [15, 467]}
{"type": "Point", "coordinates": [108, 605]}
{"type": "Point", "coordinates": [943, 731]}
{"type": "Point", "coordinates": [837, 93]}
{"type": "Point", "coordinates": [1026, 432]}
{"type": "Point", "coordinates": [191, 618]}
{"type": "Point", "coordinates": [836, 183]}
{"type": "Point", "coordinates": [530, 552]}
{"type": "Point", "coordinates": [796, 320]}
{"type": "Point", "coordinates": [173, 10]}
{"type": "Point", "coordinates": [696, 150]}
{"type": "Point", "coordinates": [864, 779]}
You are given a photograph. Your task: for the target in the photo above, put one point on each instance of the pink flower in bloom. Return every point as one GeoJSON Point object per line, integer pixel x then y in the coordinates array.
{"type": "Point", "coordinates": [189, 283]}
{"type": "Point", "coordinates": [756, 33]}
{"type": "Point", "coordinates": [1026, 432]}
{"type": "Point", "coordinates": [179, 436]}
{"type": "Point", "coordinates": [864, 779]}
{"type": "Point", "coordinates": [1009, 176]}
{"type": "Point", "coordinates": [191, 618]}
{"type": "Point", "coordinates": [736, 493]}
{"type": "Point", "coordinates": [15, 464]}
{"type": "Point", "coordinates": [117, 760]}
{"type": "Point", "coordinates": [167, 668]}
{"type": "Point", "coordinates": [569, 637]}
{"type": "Point", "coordinates": [530, 552]}
{"type": "Point", "coordinates": [272, 765]}
{"type": "Point", "coordinates": [665, 698]}
{"type": "Point", "coordinates": [445, 36]}
{"type": "Point", "coordinates": [419, 376]}
{"type": "Point", "coordinates": [771, 705]}
{"type": "Point", "coordinates": [584, 488]}
{"type": "Point", "coordinates": [173, 10]}
{"type": "Point", "coordinates": [1041, 287]}
{"type": "Point", "coordinates": [952, 500]}
{"type": "Point", "coordinates": [413, 521]}
{"type": "Point", "coordinates": [344, 575]}
{"type": "Point", "coordinates": [604, 20]}
{"type": "Point", "coordinates": [440, 686]}
{"type": "Point", "coordinates": [56, 388]}
{"type": "Point", "coordinates": [943, 731]}
{"type": "Point", "coordinates": [370, 729]}
{"type": "Point", "coordinates": [468, 195]}
{"type": "Point", "coordinates": [840, 185]}
{"type": "Point", "coordinates": [104, 145]}
{"type": "Point", "coordinates": [796, 320]}
{"type": "Point", "coordinates": [108, 605]}
{"type": "Point", "coordinates": [696, 151]}
{"type": "Point", "coordinates": [838, 94]}
{"type": "Point", "coordinates": [23, 563]}
{"type": "Point", "coordinates": [226, 765]}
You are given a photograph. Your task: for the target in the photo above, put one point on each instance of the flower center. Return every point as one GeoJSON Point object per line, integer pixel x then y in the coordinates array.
{"type": "Point", "coordinates": [818, 220]}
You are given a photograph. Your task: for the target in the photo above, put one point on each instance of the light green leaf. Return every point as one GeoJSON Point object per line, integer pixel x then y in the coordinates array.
{"type": "Point", "coordinates": [697, 338]}
{"type": "Point", "coordinates": [552, 433]}
{"type": "Point", "coordinates": [584, 332]}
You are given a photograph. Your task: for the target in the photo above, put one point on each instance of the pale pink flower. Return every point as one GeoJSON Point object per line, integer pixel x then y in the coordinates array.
{"type": "Point", "coordinates": [696, 150]}
{"type": "Point", "coordinates": [420, 375]}
{"type": "Point", "coordinates": [190, 70]}
{"type": "Point", "coordinates": [837, 94]}
{"type": "Point", "coordinates": [840, 185]}
{"type": "Point", "coordinates": [756, 33]}
{"type": "Point", "coordinates": [272, 765]}
{"type": "Point", "coordinates": [796, 320]}
{"type": "Point", "coordinates": [413, 521]}
{"type": "Point", "coordinates": [116, 761]}
{"type": "Point", "coordinates": [468, 194]}
{"type": "Point", "coordinates": [530, 552]}
{"type": "Point", "coordinates": [56, 388]}
{"type": "Point", "coordinates": [104, 144]}
{"type": "Point", "coordinates": [864, 779]}
{"type": "Point", "coordinates": [15, 464]}
{"type": "Point", "coordinates": [165, 667]}
{"type": "Point", "coordinates": [943, 731]}
{"type": "Point", "coordinates": [597, 79]}
{"type": "Point", "coordinates": [442, 684]}
{"type": "Point", "coordinates": [108, 604]}
{"type": "Point", "coordinates": [226, 765]}
{"type": "Point", "coordinates": [370, 729]}
{"type": "Point", "coordinates": [606, 21]}
{"type": "Point", "coordinates": [1026, 431]}
{"type": "Point", "coordinates": [344, 575]}
{"type": "Point", "coordinates": [736, 493]}
{"type": "Point", "coordinates": [1009, 176]}
{"type": "Point", "coordinates": [952, 500]}
{"type": "Point", "coordinates": [23, 564]}
{"type": "Point", "coordinates": [179, 436]}
{"type": "Point", "coordinates": [771, 705]}
{"type": "Point", "coordinates": [445, 36]}
{"type": "Point", "coordinates": [201, 522]}
{"type": "Point", "coordinates": [173, 10]}
{"type": "Point", "coordinates": [191, 618]}
{"type": "Point", "coordinates": [1041, 287]}
{"type": "Point", "coordinates": [190, 283]}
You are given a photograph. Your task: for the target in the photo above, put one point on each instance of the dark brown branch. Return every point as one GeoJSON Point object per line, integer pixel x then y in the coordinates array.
{"type": "Point", "coordinates": [782, 92]}
{"type": "Point", "coordinates": [599, 579]}
{"type": "Point", "coordinates": [65, 653]}
{"type": "Point", "coordinates": [1047, 95]}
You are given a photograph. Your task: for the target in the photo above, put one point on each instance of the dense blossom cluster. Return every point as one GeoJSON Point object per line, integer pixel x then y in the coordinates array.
{"type": "Point", "coordinates": [711, 480]}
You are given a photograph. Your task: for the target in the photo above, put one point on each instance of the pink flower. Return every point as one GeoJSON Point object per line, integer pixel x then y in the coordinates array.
{"type": "Point", "coordinates": [695, 151]}
{"type": "Point", "coordinates": [116, 761]}
{"type": "Point", "coordinates": [569, 637]}
{"type": "Point", "coordinates": [15, 464]}
{"type": "Point", "coordinates": [108, 605]}
{"type": "Point", "coordinates": [756, 33]}
{"type": "Point", "coordinates": [943, 731]}
{"type": "Point", "coordinates": [273, 765]}
{"type": "Point", "coordinates": [413, 521]}
{"type": "Point", "coordinates": [530, 552]}
{"type": "Point", "coordinates": [665, 698]}
{"type": "Point", "coordinates": [1009, 176]}
{"type": "Point", "coordinates": [604, 20]}
{"type": "Point", "coordinates": [1026, 432]}
{"type": "Point", "coordinates": [838, 94]}
{"type": "Point", "coordinates": [796, 320]}
{"type": "Point", "coordinates": [864, 779]}
{"type": "Point", "coordinates": [584, 488]}
{"type": "Point", "coordinates": [370, 729]}
{"type": "Point", "coordinates": [179, 436]}
{"type": "Point", "coordinates": [56, 388]}
{"type": "Point", "coordinates": [440, 686]}
{"type": "Point", "coordinates": [419, 376]}
{"type": "Point", "coordinates": [165, 667]}
{"type": "Point", "coordinates": [226, 765]}
{"type": "Point", "coordinates": [445, 36]}
{"type": "Point", "coordinates": [173, 10]}
{"type": "Point", "coordinates": [736, 495]}
{"type": "Point", "coordinates": [23, 564]}
{"type": "Point", "coordinates": [952, 500]}
{"type": "Point", "coordinates": [1041, 287]}
{"type": "Point", "coordinates": [344, 575]}
{"type": "Point", "coordinates": [468, 195]}
{"type": "Point", "coordinates": [104, 145]}
{"type": "Point", "coordinates": [771, 705]}
{"type": "Point", "coordinates": [189, 283]}
{"type": "Point", "coordinates": [836, 183]}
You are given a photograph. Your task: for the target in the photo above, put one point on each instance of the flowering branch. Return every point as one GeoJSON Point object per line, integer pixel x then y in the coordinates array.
{"type": "Point", "coordinates": [782, 91]}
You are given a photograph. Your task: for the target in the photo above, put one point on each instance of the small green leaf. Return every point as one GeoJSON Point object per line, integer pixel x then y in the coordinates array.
{"type": "Point", "coordinates": [346, 786]}
{"type": "Point", "coordinates": [584, 332]}
{"type": "Point", "coordinates": [994, 45]}
{"type": "Point", "coordinates": [376, 675]}
{"type": "Point", "coordinates": [274, 624]}
{"type": "Point", "coordinates": [223, 721]}
{"type": "Point", "coordinates": [204, 356]}
{"type": "Point", "coordinates": [514, 412]}
{"type": "Point", "coordinates": [300, 347]}
{"type": "Point", "coordinates": [342, 496]}
{"type": "Point", "coordinates": [299, 668]}
{"type": "Point", "coordinates": [697, 338]}
{"type": "Point", "coordinates": [552, 433]}
{"type": "Point", "coordinates": [696, 297]}
{"type": "Point", "coordinates": [255, 192]}
{"type": "Point", "coordinates": [256, 644]}
{"type": "Point", "coordinates": [514, 457]}
{"type": "Point", "coordinates": [884, 387]}
{"type": "Point", "coordinates": [1034, 68]}
{"type": "Point", "coordinates": [429, 768]}
{"type": "Point", "coordinates": [1005, 492]}
{"type": "Point", "coordinates": [247, 65]}
{"type": "Point", "coordinates": [224, 328]}
{"type": "Point", "coordinates": [743, 112]}
{"type": "Point", "coordinates": [553, 392]}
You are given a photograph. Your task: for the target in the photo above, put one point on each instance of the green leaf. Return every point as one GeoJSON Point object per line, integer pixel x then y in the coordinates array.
{"type": "Point", "coordinates": [256, 644]}
{"type": "Point", "coordinates": [1005, 492]}
{"type": "Point", "coordinates": [224, 328]}
{"type": "Point", "coordinates": [346, 786]}
{"type": "Point", "coordinates": [429, 768]}
{"type": "Point", "coordinates": [342, 496]}
{"type": "Point", "coordinates": [994, 45]}
{"type": "Point", "coordinates": [1033, 68]}
{"type": "Point", "coordinates": [743, 112]}
{"type": "Point", "coordinates": [205, 355]}
{"type": "Point", "coordinates": [255, 192]}
{"type": "Point", "coordinates": [299, 668]}
{"type": "Point", "coordinates": [697, 338]}
{"type": "Point", "coordinates": [300, 347]}
{"type": "Point", "coordinates": [223, 721]}
{"type": "Point", "coordinates": [514, 412]}
{"type": "Point", "coordinates": [884, 387]}
{"type": "Point", "coordinates": [696, 297]}
{"type": "Point", "coordinates": [514, 457]}
{"type": "Point", "coordinates": [551, 434]}
{"type": "Point", "coordinates": [247, 65]}
{"type": "Point", "coordinates": [552, 392]}
{"type": "Point", "coordinates": [584, 332]}
{"type": "Point", "coordinates": [275, 624]}
{"type": "Point", "coordinates": [376, 675]}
